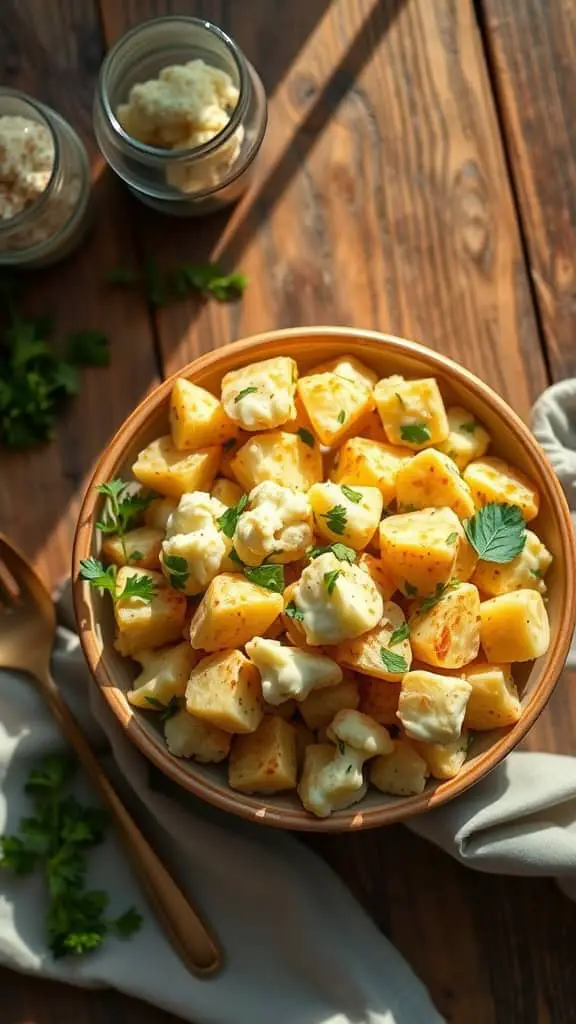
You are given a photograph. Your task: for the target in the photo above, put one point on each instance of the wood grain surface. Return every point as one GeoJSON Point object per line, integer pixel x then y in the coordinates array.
{"type": "Point", "coordinates": [383, 199]}
{"type": "Point", "coordinates": [531, 49]}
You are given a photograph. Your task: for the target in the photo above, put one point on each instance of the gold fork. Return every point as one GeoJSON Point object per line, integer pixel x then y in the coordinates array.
{"type": "Point", "coordinates": [27, 628]}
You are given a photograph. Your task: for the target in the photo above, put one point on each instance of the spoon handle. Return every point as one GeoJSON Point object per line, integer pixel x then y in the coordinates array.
{"type": "Point", "coordinates": [183, 926]}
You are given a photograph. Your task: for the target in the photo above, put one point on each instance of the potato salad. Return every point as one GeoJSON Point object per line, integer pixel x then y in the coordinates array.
{"type": "Point", "coordinates": [324, 579]}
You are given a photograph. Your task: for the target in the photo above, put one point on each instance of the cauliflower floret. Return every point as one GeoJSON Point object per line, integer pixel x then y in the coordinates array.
{"type": "Point", "coordinates": [337, 601]}
{"type": "Point", "coordinates": [432, 707]}
{"type": "Point", "coordinates": [277, 522]}
{"type": "Point", "coordinates": [333, 781]}
{"type": "Point", "coordinates": [261, 396]}
{"type": "Point", "coordinates": [290, 672]}
{"type": "Point", "coordinates": [195, 547]}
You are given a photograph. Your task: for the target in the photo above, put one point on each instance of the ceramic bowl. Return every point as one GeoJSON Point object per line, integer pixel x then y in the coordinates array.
{"type": "Point", "coordinates": [511, 439]}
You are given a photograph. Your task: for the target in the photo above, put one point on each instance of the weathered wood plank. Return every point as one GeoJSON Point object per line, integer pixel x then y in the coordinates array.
{"type": "Point", "coordinates": [532, 51]}
{"type": "Point", "coordinates": [382, 196]}
{"type": "Point", "coordinates": [53, 51]}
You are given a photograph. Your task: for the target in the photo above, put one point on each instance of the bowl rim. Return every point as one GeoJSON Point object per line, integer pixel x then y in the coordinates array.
{"type": "Point", "coordinates": [256, 809]}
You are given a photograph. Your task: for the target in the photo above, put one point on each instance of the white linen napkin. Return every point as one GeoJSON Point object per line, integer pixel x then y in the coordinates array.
{"type": "Point", "coordinates": [299, 949]}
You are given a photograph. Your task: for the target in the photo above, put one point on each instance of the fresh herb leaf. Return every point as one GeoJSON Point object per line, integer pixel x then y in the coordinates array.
{"type": "Point", "coordinates": [245, 391]}
{"type": "Point", "coordinates": [386, 511]}
{"type": "Point", "coordinates": [336, 519]}
{"type": "Point", "coordinates": [497, 532]}
{"type": "Point", "coordinates": [135, 556]}
{"type": "Point", "coordinates": [539, 573]}
{"type": "Point", "coordinates": [88, 348]}
{"type": "Point", "coordinates": [56, 840]}
{"type": "Point", "coordinates": [341, 416]}
{"type": "Point", "coordinates": [341, 747]}
{"type": "Point", "coordinates": [155, 703]}
{"type": "Point", "coordinates": [352, 495]}
{"type": "Point", "coordinates": [411, 590]}
{"type": "Point", "coordinates": [122, 508]}
{"type": "Point", "coordinates": [452, 537]}
{"type": "Point", "coordinates": [469, 427]}
{"type": "Point", "coordinates": [306, 436]}
{"type": "Point", "coordinates": [229, 519]}
{"type": "Point", "coordinates": [178, 572]}
{"type": "Point", "coordinates": [293, 612]}
{"type": "Point", "coordinates": [330, 579]}
{"type": "Point", "coordinates": [97, 576]}
{"type": "Point", "coordinates": [171, 708]}
{"type": "Point", "coordinates": [182, 281]}
{"type": "Point", "coordinates": [441, 589]}
{"type": "Point", "coordinates": [415, 433]}
{"type": "Point", "coordinates": [229, 444]}
{"type": "Point", "coordinates": [138, 586]}
{"type": "Point", "coordinates": [402, 633]}
{"type": "Point", "coordinates": [339, 550]}
{"type": "Point", "coordinates": [392, 662]}
{"type": "Point", "coordinates": [400, 399]}
{"type": "Point", "coordinates": [269, 576]}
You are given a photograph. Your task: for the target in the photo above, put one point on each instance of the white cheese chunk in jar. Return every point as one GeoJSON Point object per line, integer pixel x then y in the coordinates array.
{"type": "Point", "coordinates": [290, 672]}
{"type": "Point", "coordinates": [277, 524]}
{"type": "Point", "coordinates": [195, 547]}
{"type": "Point", "coordinates": [337, 601]}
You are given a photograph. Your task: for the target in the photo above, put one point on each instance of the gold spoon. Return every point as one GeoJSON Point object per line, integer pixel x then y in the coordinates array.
{"type": "Point", "coordinates": [27, 629]}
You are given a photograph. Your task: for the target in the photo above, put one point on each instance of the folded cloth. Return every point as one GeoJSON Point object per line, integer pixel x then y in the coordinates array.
{"type": "Point", "coordinates": [299, 949]}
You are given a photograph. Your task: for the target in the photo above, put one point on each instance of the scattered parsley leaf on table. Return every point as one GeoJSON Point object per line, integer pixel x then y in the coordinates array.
{"type": "Point", "coordinates": [56, 839]}
{"type": "Point", "coordinates": [181, 281]}
{"type": "Point", "coordinates": [497, 532]}
{"type": "Point", "coordinates": [88, 348]}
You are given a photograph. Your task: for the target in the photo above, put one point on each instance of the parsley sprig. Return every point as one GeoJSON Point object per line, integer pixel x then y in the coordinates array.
{"type": "Point", "coordinates": [352, 495]}
{"type": "Point", "coordinates": [121, 509]}
{"type": "Point", "coordinates": [229, 519]}
{"type": "Point", "coordinates": [336, 519]}
{"type": "Point", "coordinates": [330, 579]}
{"type": "Point", "coordinates": [341, 551]}
{"type": "Point", "coordinates": [293, 612]}
{"type": "Point", "coordinates": [101, 578]}
{"type": "Point", "coordinates": [56, 839]}
{"type": "Point", "coordinates": [402, 633]}
{"type": "Point", "coordinates": [393, 662]}
{"type": "Point", "coordinates": [497, 532]}
{"type": "Point", "coordinates": [164, 287]}
{"type": "Point", "coordinates": [178, 572]}
{"type": "Point", "coordinates": [269, 576]}
{"type": "Point", "coordinates": [441, 589]}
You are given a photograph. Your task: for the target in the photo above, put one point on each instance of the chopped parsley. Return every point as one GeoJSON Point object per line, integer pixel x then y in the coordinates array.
{"type": "Point", "coordinates": [441, 589]}
{"type": "Point", "coordinates": [306, 436]}
{"type": "Point", "coordinates": [415, 433]}
{"type": "Point", "coordinates": [341, 416]}
{"type": "Point", "coordinates": [293, 612]}
{"type": "Point", "coordinates": [497, 532]}
{"type": "Point", "coordinates": [269, 576]}
{"type": "Point", "coordinates": [469, 427]}
{"type": "Point", "coordinates": [392, 662]}
{"type": "Point", "coordinates": [402, 633]}
{"type": "Point", "coordinates": [410, 589]}
{"type": "Point", "coordinates": [336, 519]}
{"type": "Point", "coordinates": [341, 551]}
{"type": "Point", "coordinates": [177, 571]}
{"type": "Point", "coordinates": [245, 391]}
{"type": "Point", "coordinates": [352, 495]}
{"type": "Point", "coordinates": [229, 519]}
{"type": "Point", "coordinates": [452, 537]}
{"type": "Point", "coordinates": [330, 580]}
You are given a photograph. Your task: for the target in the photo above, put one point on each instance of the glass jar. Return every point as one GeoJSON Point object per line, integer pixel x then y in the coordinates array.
{"type": "Point", "coordinates": [51, 199]}
{"type": "Point", "coordinates": [181, 181]}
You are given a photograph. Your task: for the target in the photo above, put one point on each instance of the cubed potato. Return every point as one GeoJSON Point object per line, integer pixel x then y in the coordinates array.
{"type": "Point", "coordinates": [365, 463]}
{"type": "Point", "coordinates": [261, 396]}
{"type": "Point", "coordinates": [164, 675]}
{"type": "Point", "coordinates": [448, 634]}
{"type": "Point", "coordinates": [359, 731]}
{"type": "Point", "coordinates": [334, 404]}
{"type": "Point", "coordinates": [375, 569]}
{"type": "Point", "coordinates": [159, 511]}
{"type": "Point", "coordinates": [332, 601]}
{"type": "Point", "coordinates": [163, 468]}
{"type": "Point", "coordinates": [418, 549]}
{"type": "Point", "coordinates": [467, 439]}
{"type": "Point", "coordinates": [320, 706]}
{"type": "Point", "coordinates": [432, 707]}
{"type": "Point", "coordinates": [232, 611]}
{"type": "Point", "coordinates": [144, 624]}
{"type": "Point", "coordinates": [280, 457]}
{"type": "Point", "coordinates": [401, 773]}
{"type": "Point", "coordinates": [514, 627]}
{"type": "Point", "coordinates": [431, 480]}
{"type": "Point", "coordinates": [265, 761]}
{"type": "Point", "coordinates": [494, 701]}
{"type": "Point", "coordinates": [525, 572]}
{"type": "Point", "coordinates": [224, 689]}
{"type": "Point", "coordinates": [188, 736]}
{"type": "Point", "coordinates": [330, 781]}
{"type": "Point", "coordinates": [379, 699]}
{"type": "Point", "coordinates": [230, 448]}
{"type": "Point", "coordinates": [226, 491]}
{"type": "Point", "coordinates": [349, 515]}
{"type": "Point", "coordinates": [350, 368]}
{"type": "Point", "coordinates": [304, 738]}
{"type": "Point", "coordinates": [378, 653]}
{"type": "Point", "coordinates": [300, 423]}
{"type": "Point", "coordinates": [197, 418]}
{"type": "Point", "coordinates": [139, 547]}
{"type": "Point", "coordinates": [491, 479]}
{"type": "Point", "coordinates": [412, 411]}
{"type": "Point", "coordinates": [445, 760]}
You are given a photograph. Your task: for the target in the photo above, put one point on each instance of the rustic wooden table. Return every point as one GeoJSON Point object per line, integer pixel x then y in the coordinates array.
{"type": "Point", "coordinates": [417, 177]}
